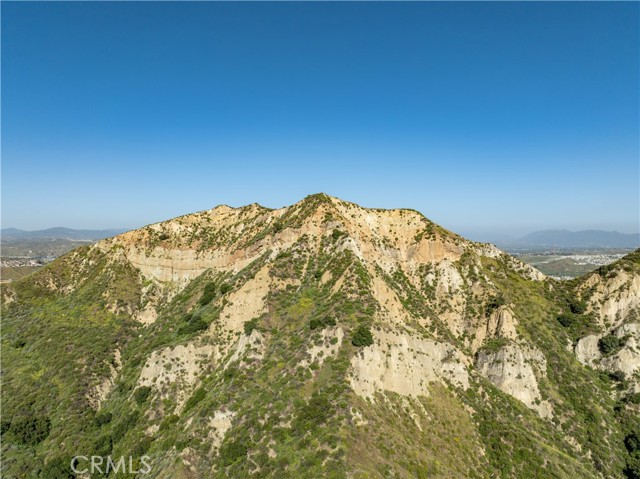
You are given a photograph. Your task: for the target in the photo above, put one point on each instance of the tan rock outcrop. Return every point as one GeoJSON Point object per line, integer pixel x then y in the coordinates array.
{"type": "Point", "coordinates": [406, 364]}
{"type": "Point", "coordinates": [626, 360]}
{"type": "Point", "coordinates": [173, 371]}
{"type": "Point", "coordinates": [512, 369]}
{"type": "Point", "coordinates": [500, 324]}
{"type": "Point", "coordinates": [613, 298]}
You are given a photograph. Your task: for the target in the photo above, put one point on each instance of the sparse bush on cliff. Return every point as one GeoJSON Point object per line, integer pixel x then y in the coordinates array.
{"type": "Point", "coordinates": [207, 294]}
{"type": "Point", "coordinates": [192, 323]}
{"type": "Point", "coordinates": [609, 344]}
{"type": "Point", "coordinates": [250, 325]}
{"type": "Point", "coordinates": [362, 336]}
{"type": "Point", "coordinates": [321, 323]}
{"type": "Point", "coordinates": [142, 394]}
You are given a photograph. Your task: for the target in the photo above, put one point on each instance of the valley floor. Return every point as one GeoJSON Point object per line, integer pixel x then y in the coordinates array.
{"type": "Point", "coordinates": [569, 264]}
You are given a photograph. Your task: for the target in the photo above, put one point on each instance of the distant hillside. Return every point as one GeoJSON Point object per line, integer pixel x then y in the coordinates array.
{"type": "Point", "coordinates": [10, 234]}
{"type": "Point", "coordinates": [579, 239]}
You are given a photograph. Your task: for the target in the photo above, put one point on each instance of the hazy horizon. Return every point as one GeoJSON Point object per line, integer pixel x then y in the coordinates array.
{"type": "Point", "coordinates": [502, 118]}
{"type": "Point", "coordinates": [482, 231]}
{"type": "Point", "coordinates": [477, 234]}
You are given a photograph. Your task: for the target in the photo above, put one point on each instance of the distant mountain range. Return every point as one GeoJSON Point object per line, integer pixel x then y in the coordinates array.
{"type": "Point", "coordinates": [575, 239]}
{"type": "Point", "coordinates": [59, 233]}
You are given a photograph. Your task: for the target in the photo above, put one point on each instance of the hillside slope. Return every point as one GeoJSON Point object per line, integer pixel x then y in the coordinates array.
{"type": "Point", "coordinates": [318, 340]}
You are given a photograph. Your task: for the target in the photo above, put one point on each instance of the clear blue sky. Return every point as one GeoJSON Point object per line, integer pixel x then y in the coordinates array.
{"type": "Point", "coordinates": [487, 117]}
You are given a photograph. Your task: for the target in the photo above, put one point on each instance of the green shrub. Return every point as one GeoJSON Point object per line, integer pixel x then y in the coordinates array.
{"type": "Point", "coordinates": [633, 398]}
{"type": "Point", "coordinates": [234, 450]}
{"type": "Point", "coordinates": [171, 419]}
{"type": "Point", "coordinates": [225, 288]}
{"type": "Point", "coordinates": [609, 344]}
{"type": "Point", "coordinates": [58, 468]}
{"type": "Point", "coordinates": [632, 470]}
{"type": "Point", "coordinates": [632, 441]}
{"type": "Point", "coordinates": [192, 324]}
{"type": "Point", "coordinates": [207, 294]}
{"type": "Point", "coordinates": [494, 303]}
{"type": "Point", "coordinates": [103, 418]}
{"type": "Point", "coordinates": [229, 373]}
{"type": "Point", "coordinates": [566, 320]}
{"type": "Point", "coordinates": [579, 325]}
{"type": "Point", "coordinates": [142, 394]}
{"type": "Point", "coordinates": [362, 336]}
{"type": "Point", "coordinates": [142, 446]}
{"type": "Point", "coordinates": [316, 411]}
{"type": "Point", "coordinates": [577, 306]}
{"type": "Point", "coordinates": [250, 325]}
{"type": "Point", "coordinates": [30, 430]}
{"type": "Point", "coordinates": [617, 376]}
{"type": "Point", "coordinates": [195, 398]}
{"type": "Point", "coordinates": [103, 445]}
{"type": "Point", "coordinates": [494, 344]}
{"type": "Point", "coordinates": [124, 425]}
{"type": "Point", "coordinates": [321, 323]}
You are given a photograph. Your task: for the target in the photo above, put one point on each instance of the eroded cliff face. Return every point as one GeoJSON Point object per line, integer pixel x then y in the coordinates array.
{"type": "Point", "coordinates": [514, 369]}
{"type": "Point", "coordinates": [405, 257]}
{"type": "Point", "coordinates": [612, 295]}
{"type": "Point", "coordinates": [173, 371]}
{"type": "Point", "coordinates": [407, 365]}
{"type": "Point", "coordinates": [228, 239]}
{"type": "Point", "coordinates": [625, 358]}
{"type": "Point", "coordinates": [398, 250]}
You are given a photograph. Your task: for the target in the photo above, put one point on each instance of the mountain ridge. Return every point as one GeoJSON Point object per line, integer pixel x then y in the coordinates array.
{"type": "Point", "coordinates": [60, 232]}
{"type": "Point", "coordinates": [321, 339]}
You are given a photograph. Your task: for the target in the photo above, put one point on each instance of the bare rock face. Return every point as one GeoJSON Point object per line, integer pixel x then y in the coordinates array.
{"type": "Point", "coordinates": [500, 324]}
{"type": "Point", "coordinates": [613, 296]}
{"type": "Point", "coordinates": [248, 347]}
{"type": "Point", "coordinates": [587, 351]}
{"type": "Point", "coordinates": [513, 369]}
{"type": "Point", "coordinates": [104, 385]}
{"type": "Point", "coordinates": [246, 303]}
{"type": "Point", "coordinates": [625, 360]}
{"type": "Point", "coordinates": [219, 424]}
{"type": "Point", "coordinates": [406, 365]}
{"type": "Point", "coordinates": [173, 371]}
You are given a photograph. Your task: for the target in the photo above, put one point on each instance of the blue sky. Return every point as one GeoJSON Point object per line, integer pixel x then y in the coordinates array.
{"type": "Point", "coordinates": [486, 117]}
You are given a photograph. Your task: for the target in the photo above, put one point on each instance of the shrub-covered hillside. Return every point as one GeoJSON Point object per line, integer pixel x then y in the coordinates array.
{"type": "Point", "coordinates": [318, 340]}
